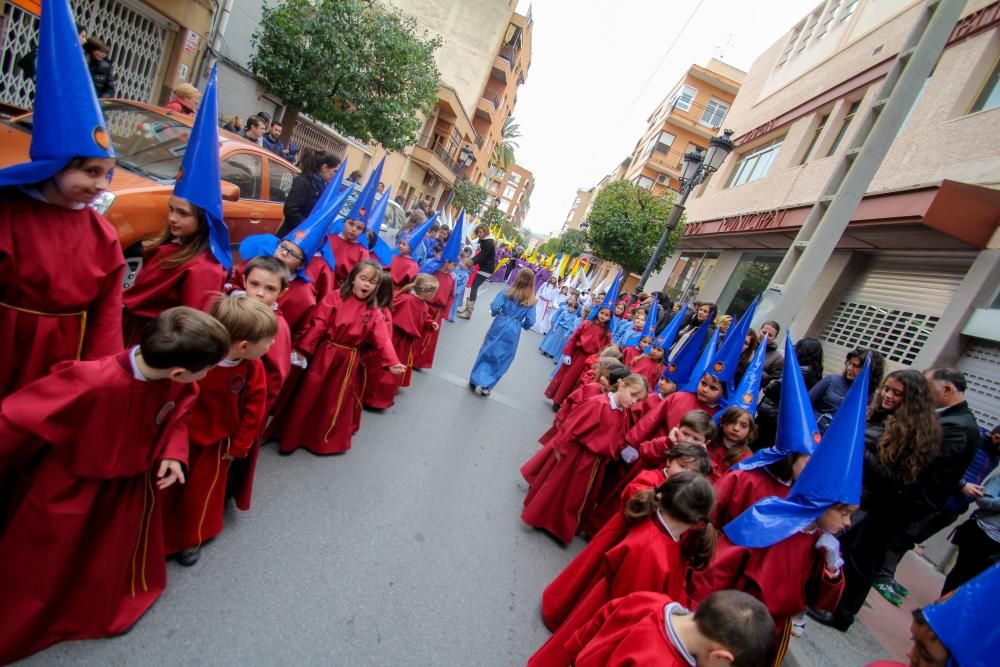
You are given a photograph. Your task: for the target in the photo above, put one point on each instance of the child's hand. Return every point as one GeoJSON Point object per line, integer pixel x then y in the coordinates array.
{"type": "Point", "coordinates": [674, 436]}
{"type": "Point", "coordinates": [397, 369]}
{"type": "Point", "coordinates": [434, 326]}
{"type": "Point", "coordinates": [830, 546]}
{"type": "Point", "coordinates": [630, 454]}
{"type": "Point", "coordinates": [170, 471]}
{"type": "Point", "coordinates": [567, 360]}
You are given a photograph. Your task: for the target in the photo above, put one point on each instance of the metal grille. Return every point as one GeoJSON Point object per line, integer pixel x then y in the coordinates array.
{"type": "Point", "coordinates": [307, 135]}
{"type": "Point", "coordinates": [137, 44]}
{"type": "Point", "coordinates": [897, 334]}
{"type": "Point", "coordinates": [981, 366]}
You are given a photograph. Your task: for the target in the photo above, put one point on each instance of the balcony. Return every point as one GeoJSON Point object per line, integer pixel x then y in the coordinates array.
{"type": "Point", "coordinates": [488, 105]}
{"type": "Point", "coordinates": [430, 150]}
{"type": "Point", "coordinates": [669, 163]}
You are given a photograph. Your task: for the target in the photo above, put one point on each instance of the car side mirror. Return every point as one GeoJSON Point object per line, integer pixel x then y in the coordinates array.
{"type": "Point", "coordinates": [230, 191]}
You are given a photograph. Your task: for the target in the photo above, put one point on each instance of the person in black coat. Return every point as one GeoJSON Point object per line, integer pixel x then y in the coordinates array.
{"type": "Point", "coordinates": [102, 70]}
{"type": "Point", "coordinates": [318, 167]}
{"type": "Point", "coordinates": [486, 259]}
{"type": "Point", "coordinates": [809, 352]}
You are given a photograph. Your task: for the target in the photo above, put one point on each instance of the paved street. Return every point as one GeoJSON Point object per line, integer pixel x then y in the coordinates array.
{"type": "Point", "coordinates": [408, 550]}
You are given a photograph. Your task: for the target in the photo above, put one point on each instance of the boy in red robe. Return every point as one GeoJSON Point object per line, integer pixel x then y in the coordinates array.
{"type": "Point", "coordinates": [729, 628]}
{"type": "Point", "coordinates": [81, 553]}
{"type": "Point", "coordinates": [225, 424]}
{"type": "Point", "coordinates": [266, 280]}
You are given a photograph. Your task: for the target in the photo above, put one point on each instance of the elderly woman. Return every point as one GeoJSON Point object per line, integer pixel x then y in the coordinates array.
{"type": "Point", "coordinates": [185, 100]}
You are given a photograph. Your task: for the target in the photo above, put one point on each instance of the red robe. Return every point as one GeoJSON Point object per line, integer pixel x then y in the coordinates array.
{"type": "Point", "coordinates": [278, 362]}
{"type": "Point", "coordinates": [648, 369]}
{"type": "Point", "coordinates": [347, 255]}
{"type": "Point", "coordinates": [640, 409]}
{"type": "Point", "coordinates": [565, 487]}
{"type": "Point", "coordinates": [717, 453]}
{"type": "Point", "coordinates": [630, 354]}
{"type": "Point", "coordinates": [81, 553]}
{"type": "Point", "coordinates": [403, 269]}
{"type": "Point", "coordinates": [439, 306]}
{"type": "Point", "coordinates": [195, 283]}
{"type": "Point", "coordinates": [627, 631]}
{"type": "Point", "coordinates": [60, 288]}
{"type": "Point", "coordinates": [410, 318]}
{"type": "Point", "coordinates": [589, 373]}
{"type": "Point", "coordinates": [647, 559]}
{"type": "Point", "coordinates": [321, 416]}
{"type": "Point", "coordinates": [664, 417]}
{"type": "Point", "coordinates": [297, 305]}
{"type": "Point", "coordinates": [534, 465]}
{"type": "Point", "coordinates": [589, 338]}
{"type": "Point", "coordinates": [226, 419]}
{"type": "Point", "coordinates": [380, 385]}
{"type": "Point", "coordinates": [786, 577]}
{"type": "Point", "coordinates": [737, 490]}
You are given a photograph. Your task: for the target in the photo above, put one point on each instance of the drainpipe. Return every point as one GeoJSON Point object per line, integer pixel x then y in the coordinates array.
{"type": "Point", "coordinates": [216, 41]}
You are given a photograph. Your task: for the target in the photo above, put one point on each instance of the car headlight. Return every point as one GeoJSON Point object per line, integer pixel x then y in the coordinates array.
{"type": "Point", "coordinates": [103, 202]}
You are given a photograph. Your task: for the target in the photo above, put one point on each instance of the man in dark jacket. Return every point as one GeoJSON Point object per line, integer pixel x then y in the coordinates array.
{"type": "Point", "coordinates": [102, 70]}
{"type": "Point", "coordinates": [272, 140]}
{"type": "Point", "coordinates": [774, 360]}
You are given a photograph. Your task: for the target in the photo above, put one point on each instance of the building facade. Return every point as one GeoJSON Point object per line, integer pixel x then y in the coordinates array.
{"type": "Point", "coordinates": [916, 273]}
{"type": "Point", "coordinates": [684, 121]}
{"type": "Point", "coordinates": [577, 216]}
{"type": "Point", "coordinates": [510, 190]}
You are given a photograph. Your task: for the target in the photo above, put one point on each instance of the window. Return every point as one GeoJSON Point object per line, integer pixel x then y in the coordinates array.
{"type": "Point", "coordinates": [755, 164]}
{"type": "Point", "coordinates": [849, 10]}
{"type": "Point", "coordinates": [786, 54]}
{"type": "Point", "coordinates": [644, 182]}
{"type": "Point", "coordinates": [505, 206]}
{"type": "Point", "coordinates": [244, 170]}
{"type": "Point", "coordinates": [279, 181]}
{"type": "Point", "coordinates": [815, 137]}
{"type": "Point", "coordinates": [990, 97]}
{"type": "Point", "coordinates": [684, 97]}
{"type": "Point", "coordinates": [515, 177]}
{"type": "Point", "coordinates": [510, 191]}
{"type": "Point", "coordinates": [828, 19]}
{"type": "Point", "coordinates": [664, 142]}
{"type": "Point", "coordinates": [844, 125]}
{"type": "Point", "coordinates": [714, 113]}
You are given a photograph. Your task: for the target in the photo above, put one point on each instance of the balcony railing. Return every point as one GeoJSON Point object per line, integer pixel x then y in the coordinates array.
{"type": "Point", "coordinates": [436, 145]}
{"type": "Point", "coordinates": [492, 98]}
{"type": "Point", "coordinates": [672, 160]}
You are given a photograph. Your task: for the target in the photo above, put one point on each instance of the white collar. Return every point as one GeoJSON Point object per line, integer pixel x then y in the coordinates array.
{"type": "Point", "coordinates": [614, 403]}
{"type": "Point", "coordinates": [668, 611]}
{"type": "Point", "coordinates": [229, 363]}
{"type": "Point", "coordinates": [136, 373]}
{"type": "Point", "coordinates": [659, 517]}
{"type": "Point", "coordinates": [779, 481]}
{"type": "Point", "coordinates": [37, 195]}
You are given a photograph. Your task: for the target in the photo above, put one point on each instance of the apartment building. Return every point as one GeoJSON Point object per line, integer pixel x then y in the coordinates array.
{"type": "Point", "coordinates": [917, 272]}
{"type": "Point", "coordinates": [577, 215]}
{"type": "Point", "coordinates": [510, 190]}
{"type": "Point", "coordinates": [684, 121]}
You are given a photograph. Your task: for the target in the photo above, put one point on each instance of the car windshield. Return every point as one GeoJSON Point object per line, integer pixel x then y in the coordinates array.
{"type": "Point", "coordinates": [147, 143]}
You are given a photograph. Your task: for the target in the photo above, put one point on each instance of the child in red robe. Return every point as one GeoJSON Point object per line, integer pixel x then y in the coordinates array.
{"type": "Point", "coordinates": [411, 317]}
{"type": "Point", "coordinates": [81, 553]}
{"type": "Point", "coordinates": [590, 368]}
{"type": "Point", "coordinates": [348, 251]}
{"type": "Point", "coordinates": [575, 580]}
{"type": "Point", "coordinates": [226, 421]}
{"type": "Point", "coordinates": [738, 489]}
{"type": "Point", "coordinates": [321, 418]}
{"type": "Point", "coordinates": [649, 364]}
{"type": "Point", "coordinates": [590, 337]}
{"type": "Point", "coordinates": [661, 420]}
{"type": "Point", "coordinates": [651, 557]}
{"type": "Point", "coordinates": [403, 268]}
{"type": "Point", "coordinates": [731, 444]}
{"type": "Point", "coordinates": [664, 387]}
{"type": "Point", "coordinates": [380, 385]}
{"type": "Point", "coordinates": [564, 489]}
{"type": "Point", "coordinates": [266, 279]}
{"type": "Point", "coordinates": [729, 628]}
{"type": "Point", "coordinates": [439, 307]}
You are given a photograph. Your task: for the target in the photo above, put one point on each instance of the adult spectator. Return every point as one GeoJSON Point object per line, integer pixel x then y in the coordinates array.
{"type": "Point", "coordinates": [318, 169]}
{"type": "Point", "coordinates": [774, 360]}
{"type": "Point", "coordinates": [185, 100]}
{"type": "Point", "coordinates": [265, 116]}
{"type": "Point", "coordinates": [272, 140]}
{"type": "Point", "coordinates": [827, 394]}
{"type": "Point", "coordinates": [809, 353]}
{"type": "Point", "coordinates": [978, 539]}
{"type": "Point", "coordinates": [902, 441]}
{"type": "Point", "coordinates": [486, 259]}
{"type": "Point", "coordinates": [28, 63]}
{"type": "Point", "coordinates": [234, 125]}
{"type": "Point", "coordinates": [355, 176]}
{"type": "Point", "coordinates": [102, 70]}
{"type": "Point", "coordinates": [254, 131]}
{"type": "Point", "coordinates": [702, 312]}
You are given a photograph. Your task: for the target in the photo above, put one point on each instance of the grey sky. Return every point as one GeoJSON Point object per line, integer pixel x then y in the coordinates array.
{"type": "Point", "coordinates": [589, 61]}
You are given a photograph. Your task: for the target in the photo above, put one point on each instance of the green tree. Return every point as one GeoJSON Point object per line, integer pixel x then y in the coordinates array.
{"type": "Point", "coordinates": [552, 245]}
{"type": "Point", "coordinates": [353, 64]}
{"type": "Point", "coordinates": [470, 196]}
{"type": "Point", "coordinates": [495, 217]}
{"type": "Point", "coordinates": [626, 222]}
{"type": "Point", "coordinates": [573, 242]}
{"type": "Point", "coordinates": [503, 153]}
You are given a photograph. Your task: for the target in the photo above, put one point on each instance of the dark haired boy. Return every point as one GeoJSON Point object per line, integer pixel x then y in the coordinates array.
{"type": "Point", "coordinates": [266, 280]}
{"type": "Point", "coordinates": [81, 552]}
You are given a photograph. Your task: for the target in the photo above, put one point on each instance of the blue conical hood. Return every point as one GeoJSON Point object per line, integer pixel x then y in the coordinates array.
{"type": "Point", "coordinates": [746, 393]}
{"type": "Point", "coordinates": [365, 203]}
{"type": "Point", "coordinates": [199, 181]}
{"type": "Point", "coordinates": [649, 329]}
{"type": "Point", "coordinates": [609, 299]}
{"type": "Point", "coordinates": [728, 358]}
{"type": "Point", "coordinates": [67, 120]}
{"type": "Point", "coordinates": [963, 622]}
{"type": "Point", "coordinates": [797, 432]}
{"type": "Point", "coordinates": [668, 337]}
{"type": "Point", "coordinates": [703, 365]}
{"type": "Point", "coordinates": [378, 211]}
{"type": "Point", "coordinates": [833, 475]}
{"type": "Point", "coordinates": [453, 248]}
{"type": "Point", "coordinates": [679, 368]}
{"type": "Point", "coordinates": [416, 237]}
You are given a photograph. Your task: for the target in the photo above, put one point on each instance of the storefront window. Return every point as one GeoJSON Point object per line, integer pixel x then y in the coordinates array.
{"type": "Point", "coordinates": [690, 274]}
{"type": "Point", "coordinates": [751, 277]}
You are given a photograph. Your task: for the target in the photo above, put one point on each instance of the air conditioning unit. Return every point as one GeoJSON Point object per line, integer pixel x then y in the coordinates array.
{"type": "Point", "coordinates": [662, 179]}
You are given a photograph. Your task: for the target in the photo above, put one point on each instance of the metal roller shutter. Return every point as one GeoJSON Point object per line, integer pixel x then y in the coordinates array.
{"type": "Point", "coordinates": [981, 365]}
{"type": "Point", "coordinates": [892, 306]}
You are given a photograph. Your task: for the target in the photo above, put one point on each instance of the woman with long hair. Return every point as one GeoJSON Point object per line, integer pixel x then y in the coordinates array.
{"type": "Point", "coordinates": [318, 169]}
{"type": "Point", "coordinates": [512, 311]}
{"type": "Point", "coordinates": [486, 259]}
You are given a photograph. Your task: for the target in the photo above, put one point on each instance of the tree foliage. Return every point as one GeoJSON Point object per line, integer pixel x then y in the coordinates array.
{"type": "Point", "coordinates": [503, 153]}
{"type": "Point", "coordinates": [353, 64]}
{"type": "Point", "coordinates": [470, 196]}
{"type": "Point", "coordinates": [626, 222]}
{"type": "Point", "coordinates": [572, 242]}
{"type": "Point", "coordinates": [495, 217]}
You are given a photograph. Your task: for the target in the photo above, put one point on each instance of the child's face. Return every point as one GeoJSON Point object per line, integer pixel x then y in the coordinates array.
{"type": "Point", "coordinates": [352, 229]}
{"type": "Point", "coordinates": [603, 316]}
{"type": "Point", "coordinates": [644, 342]}
{"type": "Point", "coordinates": [626, 396]}
{"type": "Point", "coordinates": [425, 293]}
{"type": "Point", "coordinates": [403, 247]}
{"type": "Point", "coordinates": [619, 310]}
{"type": "Point", "coordinates": [571, 302]}
{"type": "Point", "coordinates": [709, 390]}
{"type": "Point", "coordinates": [665, 387]}
{"type": "Point", "coordinates": [264, 286]}
{"type": "Point", "coordinates": [927, 649]}
{"type": "Point", "coordinates": [182, 221]}
{"type": "Point", "coordinates": [738, 430]}
{"type": "Point", "coordinates": [447, 267]}
{"type": "Point", "coordinates": [639, 321]}
{"type": "Point", "coordinates": [365, 282]}
{"type": "Point", "coordinates": [687, 434]}
{"type": "Point", "coordinates": [84, 184]}
{"type": "Point", "coordinates": [836, 519]}
{"type": "Point", "coordinates": [289, 254]}
{"type": "Point", "coordinates": [245, 349]}
{"type": "Point", "coordinates": [656, 353]}
{"type": "Point", "coordinates": [680, 465]}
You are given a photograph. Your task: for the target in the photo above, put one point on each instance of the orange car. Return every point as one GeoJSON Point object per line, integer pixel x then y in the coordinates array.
{"type": "Point", "coordinates": [150, 142]}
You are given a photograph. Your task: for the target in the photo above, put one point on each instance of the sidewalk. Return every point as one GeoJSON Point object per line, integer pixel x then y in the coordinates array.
{"type": "Point", "coordinates": [881, 631]}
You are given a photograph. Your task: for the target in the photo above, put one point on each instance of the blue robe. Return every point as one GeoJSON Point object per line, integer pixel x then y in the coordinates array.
{"type": "Point", "coordinates": [500, 345]}
{"type": "Point", "coordinates": [564, 322]}
{"type": "Point", "coordinates": [461, 276]}
{"type": "Point", "coordinates": [621, 332]}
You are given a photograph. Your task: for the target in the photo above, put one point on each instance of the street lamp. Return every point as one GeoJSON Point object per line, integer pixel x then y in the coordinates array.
{"type": "Point", "coordinates": [697, 167]}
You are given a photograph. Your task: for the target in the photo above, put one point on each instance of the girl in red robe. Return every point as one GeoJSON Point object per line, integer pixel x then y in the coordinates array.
{"type": "Point", "coordinates": [652, 556]}
{"type": "Point", "coordinates": [738, 489]}
{"type": "Point", "coordinates": [565, 488]}
{"type": "Point", "coordinates": [81, 553]}
{"type": "Point", "coordinates": [649, 365]}
{"type": "Point", "coordinates": [348, 251]}
{"type": "Point", "coordinates": [589, 338]}
{"type": "Point", "coordinates": [403, 268]}
{"type": "Point", "coordinates": [411, 317]}
{"type": "Point", "coordinates": [731, 444]}
{"type": "Point", "coordinates": [576, 579]}
{"type": "Point", "coordinates": [321, 418]}
{"type": "Point", "coordinates": [379, 385]}
{"type": "Point", "coordinates": [439, 306]}
{"type": "Point", "coordinates": [631, 353]}
{"type": "Point", "coordinates": [590, 368]}
{"type": "Point", "coordinates": [662, 419]}
{"type": "Point", "coordinates": [225, 425]}
{"type": "Point", "coordinates": [178, 269]}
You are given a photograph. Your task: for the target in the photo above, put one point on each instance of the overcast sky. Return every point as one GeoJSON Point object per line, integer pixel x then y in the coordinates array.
{"type": "Point", "coordinates": [583, 105]}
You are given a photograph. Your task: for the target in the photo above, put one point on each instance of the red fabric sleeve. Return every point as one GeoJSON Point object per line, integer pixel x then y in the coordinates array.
{"type": "Point", "coordinates": [104, 326]}
{"type": "Point", "coordinates": [824, 591]}
{"type": "Point", "coordinates": [15, 443]}
{"type": "Point", "coordinates": [651, 452]}
{"type": "Point", "coordinates": [252, 411]}
{"type": "Point", "coordinates": [723, 495]}
{"type": "Point", "coordinates": [583, 636]}
{"type": "Point", "coordinates": [381, 341]}
{"type": "Point", "coordinates": [179, 442]}
{"type": "Point", "coordinates": [725, 572]}
{"type": "Point", "coordinates": [202, 284]}
{"type": "Point", "coordinates": [317, 328]}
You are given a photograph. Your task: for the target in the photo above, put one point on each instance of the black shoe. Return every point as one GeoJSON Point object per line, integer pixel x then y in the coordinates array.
{"type": "Point", "coordinates": [829, 619]}
{"type": "Point", "coordinates": [189, 557]}
{"type": "Point", "coordinates": [555, 407]}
